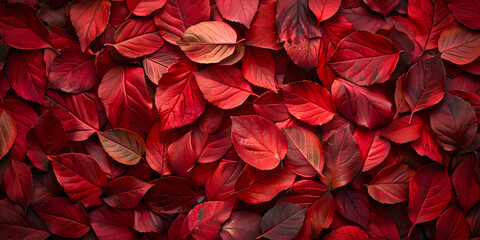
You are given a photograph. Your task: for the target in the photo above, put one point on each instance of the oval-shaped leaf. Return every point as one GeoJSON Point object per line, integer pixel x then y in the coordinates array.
{"type": "Point", "coordinates": [241, 225]}
{"type": "Point", "coordinates": [223, 86]}
{"type": "Point", "coordinates": [270, 105]}
{"type": "Point", "coordinates": [353, 205]}
{"type": "Point", "coordinates": [137, 37]}
{"type": "Point", "coordinates": [262, 32]}
{"type": "Point", "coordinates": [403, 130]}
{"type": "Point", "coordinates": [459, 44]}
{"type": "Point", "coordinates": [283, 221]}
{"type": "Point", "coordinates": [465, 183]}
{"type": "Point", "coordinates": [18, 183]}
{"type": "Point", "coordinates": [365, 58]}
{"type": "Point", "coordinates": [305, 154]}
{"type": "Point", "coordinates": [110, 224]}
{"type": "Point", "coordinates": [206, 219]}
{"type": "Point", "coordinates": [308, 102]}
{"type": "Point", "coordinates": [324, 9]}
{"type": "Point", "coordinates": [157, 64]}
{"type": "Point", "coordinates": [373, 148]}
{"type": "Point", "coordinates": [80, 176]}
{"type": "Point", "coordinates": [467, 12]}
{"type": "Point", "coordinates": [238, 11]}
{"type": "Point", "coordinates": [295, 21]}
{"type": "Point", "coordinates": [258, 67]}
{"type": "Point", "coordinates": [429, 194]}
{"type": "Point", "coordinates": [258, 141]}
{"type": "Point", "coordinates": [157, 149]}
{"type": "Point", "coordinates": [64, 218]}
{"type": "Point", "coordinates": [383, 7]}
{"type": "Point", "coordinates": [124, 95]}
{"type": "Point", "coordinates": [208, 42]}
{"type": "Point", "coordinates": [178, 98]}
{"type": "Point", "coordinates": [454, 123]}
{"type": "Point", "coordinates": [15, 224]}
{"type": "Point", "coordinates": [8, 131]}
{"type": "Point", "coordinates": [124, 192]}
{"type": "Point", "coordinates": [221, 185]}
{"type": "Point", "coordinates": [125, 146]}
{"type": "Point", "coordinates": [144, 7]}
{"type": "Point", "coordinates": [452, 225]}
{"type": "Point", "coordinates": [343, 160]}
{"type": "Point", "coordinates": [390, 186]}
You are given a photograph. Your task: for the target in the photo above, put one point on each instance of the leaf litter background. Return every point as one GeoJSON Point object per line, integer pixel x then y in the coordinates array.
{"type": "Point", "coordinates": [197, 119]}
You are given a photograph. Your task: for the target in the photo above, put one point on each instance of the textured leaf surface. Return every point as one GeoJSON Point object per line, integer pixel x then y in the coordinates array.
{"type": "Point", "coordinates": [16, 224]}
{"type": "Point", "coordinates": [390, 186]}
{"type": "Point", "coordinates": [124, 192]}
{"type": "Point", "coordinates": [283, 221]}
{"type": "Point", "coordinates": [8, 130]}
{"type": "Point", "coordinates": [305, 154]}
{"type": "Point", "coordinates": [459, 44]}
{"type": "Point", "coordinates": [205, 219]}
{"type": "Point", "coordinates": [295, 21]}
{"type": "Point", "coordinates": [122, 145]}
{"type": "Point", "coordinates": [238, 11]}
{"type": "Point", "coordinates": [18, 183]}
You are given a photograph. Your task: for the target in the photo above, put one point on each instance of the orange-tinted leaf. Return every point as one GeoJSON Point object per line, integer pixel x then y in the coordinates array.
{"type": "Point", "coordinates": [459, 44]}
{"type": "Point", "coordinates": [157, 64]}
{"type": "Point", "coordinates": [208, 42]}
{"type": "Point", "coordinates": [390, 186]}
{"type": "Point", "coordinates": [305, 154]}
{"type": "Point", "coordinates": [125, 146]}
{"type": "Point", "coordinates": [258, 141]}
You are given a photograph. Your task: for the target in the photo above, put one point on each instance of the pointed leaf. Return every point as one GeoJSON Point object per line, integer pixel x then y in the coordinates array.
{"type": "Point", "coordinates": [25, 117]}
{"type": "Point", "coordinates": [238, 11]}
{"type": "Point", "coordinates": [324, 9]}
{"type": "Point", "coordinates": [18, 183]}
{"type": "Point", "coordinates": [429, 194]}
{"type": "Point", "coordinates": [208, 42]}
{"type": "Point", "coordinates": [123, 145]}
{"type": "Point", "coordinates": [89, 18]}
{"type": "Point", "coordinates": [459, 44]}
{"type": "Point", "coordinates": [347, 233]}
{"type": "Point", "coordinates": [80, 176]}
{"type": "Point", "coordinates": [403, 130]}
{"type": "Point", "coordinates": [427, 146]}
{"type": "Point", "coordinates": [258, 141]}
{"type": "Point", "coordinates": [144, 7]}
{"type": "Point", "coordinates": [206, 219]}
{"type": "Point", "coordinates": [145, 220]}
{"type": "Point", "coordinates": [365, 58]}
{"type": "Point", "coordinates": [390, 186]}
{"type": "Point", "coordinates": [8, 131]}
{"type": "Point", "coordinates": [270, 105]}
{"type": "Point", "coordinates": [295, 21]}
{"type": "Point", "coordinates": [305, 154]}
{"type": "Point", "coordinates": [64, 218]}
{"type": "Point", "coordinates": [466, 12]}
{"type": "Point", "coordinates": [124, 192]}
{"type": "Point", "coordinates": [383, 7]}
{"type": "Point", "coordinates": [15, 224]}
{"type": "Point", "coordinates": [353, 205]}
{"type": "Point", "coordinates": [283, 221]}
{"type": "Point", "coordinates": [262, 32]}
{"type": "Point", "coordinates": [258, 67]}
{"type": "Point", "coordinates": [124, 95]}
{"type": "Point", "coordinates": [221, 185]}
{"type": "Point", "coordinates": [137, 37]}
{"type": "Point", "coordinates": [241, 225]}
{"type": "Point", "coordinates": [304, 53]}
{"type": "Point", "coordinates": [157, 64]}
{"type": "Point", "coordinates": [373, 148]}
{"type": "Point", "coordinates": [178, 98]}
{"type": "Point", "coordinates": [454, 123]}
{"type": "Point", "coordinates": [110, 224]}
{"type": "Point", "coordinates": [465, 183]}
{"type": "Point", "coordinates": [452, 225]}
{"type": "Point", "coordinates": [343, 160]}
{"type": "Point", "coordinates": [157, 149]}
{"type": "Point", "coordinates": [223, 86]}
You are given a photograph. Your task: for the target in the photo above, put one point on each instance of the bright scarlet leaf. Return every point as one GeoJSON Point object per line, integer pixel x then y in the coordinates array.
{"type": "Point", "coordinates": [258, 68]}
{"type": "Point", "coordinates": [365, 58]}
{"type": "Point", "coordinates": [206, 219]}
{"type": "Point", "coordinates": [324, 9]}
{"type": "Point", "coordinates": [144, 7]}
{"type": "Point", "coordinates": [123, 145]}
{"type": "Point", "coordinates": [403, 129]}
{"type": "Point", "coordinates": [373, 148]}
{"type": "Point", "coordinates": [258, 141]}
{"type": "Point", "coordinates": [262, 32]}
{"type": "Point", "coordinates": [221, 185]}
{"type": "Point", "coordinates": [270, 105]}
{"type": "Point", "coordinates": [157, 149]}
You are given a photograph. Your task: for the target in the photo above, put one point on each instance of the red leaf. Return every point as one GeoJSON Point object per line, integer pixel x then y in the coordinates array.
{"type": "Point", "coordinates": [309, 102]}
{"type": "Point", "coordinates": [18, 183]}
{"type": "Point", "coordinates": [178, 98]}
{"type": "Point", "coordinates": [77, 113]}
{"type": "Point", "coordinates": [145, 220]}
{"type": "Point", "coordinates": [363, 19]}
{"type": "Point", "coordinates": [467, 12]}
{"type": "Point", "coordinates": [124, 192]}
{"type": "Point", "coordinates": [208, 42]}
{"type": "Point", "coordinates": [305, 52]}
{"type": "Point", "coordinates": [223, 86]}
{"type": "Point", "coordinates": [241, 225]}
{"type": "Point", "coordinates": [346, 233]}
{"type": "Point", "coordinates": [112, 224]}
{"type": "Point", "coordinates": [125, 98]}
{"type": "Point", "coordinates": [72, 71]}
{"type": "Point", "coordinates": [178, 15]}
{"type": "Point", "coordinates": [454, 123]}
{"type": "Point", "coordinates": [221, 185]}
{"type": "Point", "coordinates": [373, 148]}
{"type": "Point", "coordinates": [429, 194]}
{"type": "Point", "coordinates": [111, 167]}
{"type": "Point", "coordinates": [471, 98]}
{"type": "Point", "coordinates": [324, 9]}
{"type": "Point", "coordinates": [305, 154]}
{"type": "Point", "coordinates": [283, 221]}
{"type": "Point", "coordinates": [270, 106]}
{"type": "Point", "coordinates": [343, 160]}
{"type": "Point", "coordinates": [337, 28]}
{"type": "Point", "coordinates": [258, 141]}
{"type": "Point", "coordinates": [157, 64]}
{"type": "Point", "coordinates": [157, 149]}
{"type": "Point", "coordinates": [464, 179]}
{"type": "Point", "coordinates": [182, 156]}
{"type": "Point", "coordinates": [365, 58]}
{"type": "Point", "coordinates": [390, 186]}
{"type": "Point", "coordinates": [15, 224]}
{"type": "Point", "coordinates": [173, 195]}
{"type": "Point", "coordinates": [238, 11]}
{"type": "Point", "coordinates": [383, 7]}
{"type": "Point", "coordinates": [382, 225]}
{"type": "Point", "coordinates": [8, 131]}
{"type": "Point", "coordinates": [353, 205]}
{"type": "Point", "coordinates": [212, 147]}
{"type": "Point", "coordinates": [431, 17]}
{"type": "Point", "coordinates": [22, 28]}
{"type": "Point", "coordinates": [144, 7]}
{"type": "Point", "coordinates": [122, 145]}
{"type": "Point", "coordinates": [452, 225]}
{"type": "Point", "coordinates": [262, 32]}
{"type": "Point", "coordinates": [25, 71]}
{"type": "Point", "coordinates": [258, 67]}
{"type": "Point", "coordinates": [64, 218]}
{"type": "Point", "coordinates": [137, 37]}
{"type": "Point", "coordinates": [46, 137]}
{"type": "Point", "coordinates": [294, 21]}
{"type": "Point", "coordinates": [206, 219]}
{"type": "Point", "coordinates": [459, 44]}
{"type": "Point", "coordinates": [367, 107]}
{"type": "Point", "coordinates": [80, 176]}
{"type": "Point", "coordinates": [403, 130]}
{"type": "Point", "coordinates": [255, 186]}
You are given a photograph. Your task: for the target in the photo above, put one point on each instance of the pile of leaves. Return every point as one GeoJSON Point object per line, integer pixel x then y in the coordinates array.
{"type": "Point", "coordinates": [239, 119]}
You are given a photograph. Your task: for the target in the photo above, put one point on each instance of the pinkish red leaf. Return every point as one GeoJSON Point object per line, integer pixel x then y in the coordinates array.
{"type": "Point", "coordinates": [459, 44]}
{"type": "Point", "coordinates": [324, 9]}
{"type": "Point", "coordinates": [18, 183]}
{"type": "Point", "coordinates": [270, 106]}
{"type": "Point", "coordinates": [157, 64]}
{"type": "Point", "coordinates": [223, 86]}
{"type": "Point", "coordinates": [365, 58]}
{"type": "Point", "coordinates": [144, 7]}
{"type": "Point", "coordinates": [157, 149]}
{"type": "Point", "coordinates": [403, 129]}
{"type": "Point", "coordinates": [305, 52]}
{"type": "Point", "coordinates": [373, 148]}
{"type": "Point", "coordinates": [241, 11]}
{"type": "Point", "coordinates": [182, 156]}
{"type": "Point", "coordinates": [178, 98]}
{"type": "Point", "coordinates": [258, 67]}
{"type": "Point", "coordinates": [124, 192]}
{"type": "Point", "coordinates": [390, 186]}
{"type": "Point", "coordinates": [206, 219]}
{"type": "Point", "coordinates": [258, 141]}
{"type": "Point", "coordinates": [80, 176]}
{"type": "Point", "coordinates": [64, 218]}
